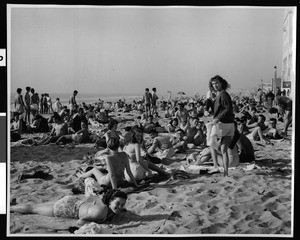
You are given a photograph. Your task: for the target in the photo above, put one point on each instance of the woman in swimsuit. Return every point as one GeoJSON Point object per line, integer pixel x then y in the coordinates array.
{"type": "Point", "coordinates": [139, 166]}
{"type": "Point", "coordinates": [91, 209]}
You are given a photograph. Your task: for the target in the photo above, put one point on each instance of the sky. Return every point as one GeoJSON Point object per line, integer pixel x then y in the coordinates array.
{"type": "Point", "coordinates": [123, 50]}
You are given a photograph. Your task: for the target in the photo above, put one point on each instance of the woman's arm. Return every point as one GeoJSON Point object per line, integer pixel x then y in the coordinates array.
{"type": "Point", "coordinates": [128, 170]}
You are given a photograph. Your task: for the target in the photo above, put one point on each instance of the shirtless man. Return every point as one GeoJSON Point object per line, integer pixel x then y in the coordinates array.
{"type": "Point", "coordinates": [18, 102]}
{"type": "Point", "coordinates": [27, 105]}
{"type": "Point", "coordinates": [72, 103]}
{"type": "Point", "coordinates": [179, 141]}
{"type": "Point", "coordinates": [194, 134]}
{"type": "Point", "coordinates": [34, 102]}
{"type": "Point", "coordinates": [116, 163]}
{"type": "Point", "coordinates": [147, 100]}
{"type": "Point", "coordinates": [182, 113]}
{"type": "Point", "coordinates": [256, 130]}
{"type": "Point", "coordinates": [161, 144]}
{"type": "Point", "coordinates": [154, 99]}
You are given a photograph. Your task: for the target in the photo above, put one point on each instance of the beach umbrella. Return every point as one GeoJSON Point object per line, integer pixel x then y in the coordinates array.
{"type": "Point", "coordinates": [181, 93]}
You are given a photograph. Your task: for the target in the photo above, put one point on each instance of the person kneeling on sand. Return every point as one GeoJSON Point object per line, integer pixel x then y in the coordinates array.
{"type": "Point", "coordinates": [85, 209]}
{"type": "Point", "coordinates": [116, 163]}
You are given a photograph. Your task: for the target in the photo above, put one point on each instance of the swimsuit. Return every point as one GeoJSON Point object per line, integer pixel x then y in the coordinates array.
{"type": "Point", "coordinates": [67, 207]}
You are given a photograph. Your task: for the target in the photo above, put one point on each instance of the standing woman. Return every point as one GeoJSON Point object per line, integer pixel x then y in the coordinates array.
{"type": "Point", "coordinates": [224, 118]}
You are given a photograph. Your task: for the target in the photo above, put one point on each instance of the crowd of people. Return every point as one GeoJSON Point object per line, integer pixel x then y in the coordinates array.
{"type": "Point", "coordinates": [226, 137]}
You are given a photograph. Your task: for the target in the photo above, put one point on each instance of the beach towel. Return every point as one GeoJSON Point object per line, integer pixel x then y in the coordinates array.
{"type": "Point", "coordinates": [93, 228]}
{"type": "Point", "coordinates": [212, 135]}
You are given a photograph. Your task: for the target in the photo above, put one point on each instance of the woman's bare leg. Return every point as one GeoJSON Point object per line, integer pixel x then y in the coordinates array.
{"type": "Point", "coordinates": [45, 209]}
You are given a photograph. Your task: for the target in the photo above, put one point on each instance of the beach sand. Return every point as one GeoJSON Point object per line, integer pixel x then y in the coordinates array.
{"type": "Point", "coordinates": [256, 198]}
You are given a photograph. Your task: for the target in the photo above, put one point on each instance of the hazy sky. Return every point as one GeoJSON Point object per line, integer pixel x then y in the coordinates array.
{"type": "Point", "coordinates": [126, 49]}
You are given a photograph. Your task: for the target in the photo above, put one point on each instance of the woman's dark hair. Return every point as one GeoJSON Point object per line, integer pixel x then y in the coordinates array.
{"type": "Point", "coordinates": [56, 116]}
{"type": "Point", "coordinates": [135, 129]}
{"type": "Point", "coordinates": [224, 83]}
{"type": "Point", "coordinates": [112, 123]}
{"type": "Point", "coordinates": [113, 143]}
{"type": "Point", "coordinates": [111, 194]}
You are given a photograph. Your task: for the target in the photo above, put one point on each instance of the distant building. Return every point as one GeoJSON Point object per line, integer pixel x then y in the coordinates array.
{"type": "Point", "coordinates": [289, 51]}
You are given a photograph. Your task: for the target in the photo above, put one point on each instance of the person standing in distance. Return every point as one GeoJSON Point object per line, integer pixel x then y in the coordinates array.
{"type": "Point", "coordinates": [147, 100]}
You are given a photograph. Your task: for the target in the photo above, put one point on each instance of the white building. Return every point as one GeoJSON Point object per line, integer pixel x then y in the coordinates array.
{"type": "Point", "coordinates": [289, 51]}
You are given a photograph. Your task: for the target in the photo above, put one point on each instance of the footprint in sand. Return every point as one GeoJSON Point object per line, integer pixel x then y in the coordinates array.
{"type": "Point", "coordinates": [214, 210]}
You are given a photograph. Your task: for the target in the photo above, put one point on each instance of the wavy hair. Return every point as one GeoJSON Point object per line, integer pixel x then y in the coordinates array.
{"type": "Point", "coordinates": [225, 85]}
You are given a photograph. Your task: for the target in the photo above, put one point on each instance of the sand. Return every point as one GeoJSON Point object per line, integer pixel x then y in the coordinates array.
{"type": "Point", "coordinates": [256, 198]}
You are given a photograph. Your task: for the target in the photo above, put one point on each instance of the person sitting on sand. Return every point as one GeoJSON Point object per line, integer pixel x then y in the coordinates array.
{"type": "Point", "coordinates": [179, 141]}
{"type": "Point", "coordinates": [172, 125]}
{"type": "Point", "coordinates": [206, 156]}
{"type": "Point", "coordinates": [116, 162]}
{"type": "Point", "coordinates": [82, 136]}
{"type": "Point", "coordinates": [170, 110]}
{"type": "Point", "coordinates": [161, 145]}
{"type": "Point", "coordinates": [193, 112]}
{"type": "Point", "coordinates": [17, 127]}
{"type": "Point", "coordinates": [184, 124]}
{"type": "Point", "coordinates": [112, 130]}
{"type": "Point", "coordinates": [182, 113]}
{"type": "Point", "coordinates": [59, 129]}
{"type": "Point", "coordinates": [85, 209]}
{"type": "Point", "coordinates": [150, 124]}
{"type": "Point", "coordinates": [273, 132]}
{"type": "Point", "coordinates": [256, 130]}
{"type": "Point", "coordinates": [102, 116]}
{"type": "Point", "coordinates": [241, 125]}
{"type": "Point", "coordinates": [76, 120]}
{"type": "Point", "coordinates": [139, 166]}
{"type": "Point", "coordinates": [39, 125]}
{"type": "Point", "coordinates": [194, 135]}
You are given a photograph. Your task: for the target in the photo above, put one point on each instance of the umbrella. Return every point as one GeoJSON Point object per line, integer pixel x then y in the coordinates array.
{"type": "Point", "coordinates": [181, 93]}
